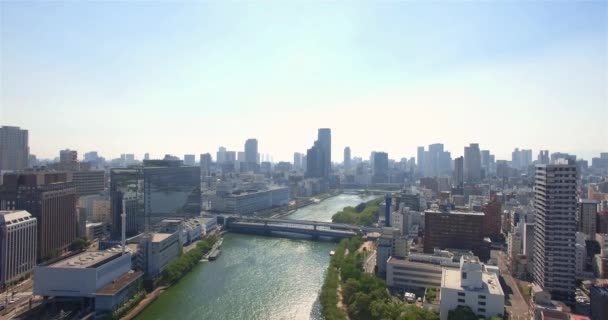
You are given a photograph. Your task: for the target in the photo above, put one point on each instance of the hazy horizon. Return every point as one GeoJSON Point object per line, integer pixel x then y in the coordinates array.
{"type": "Point", "coordinates": [186, 78]}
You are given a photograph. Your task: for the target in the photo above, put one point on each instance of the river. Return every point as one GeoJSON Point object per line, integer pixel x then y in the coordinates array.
{"type": "Point", "coordinates": [256, 277]}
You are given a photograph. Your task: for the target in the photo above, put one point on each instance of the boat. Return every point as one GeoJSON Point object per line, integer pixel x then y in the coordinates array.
{"type": "Point", "coordinates": [214, 254]}
{"type": "Point", "coordinates": [331, 253]}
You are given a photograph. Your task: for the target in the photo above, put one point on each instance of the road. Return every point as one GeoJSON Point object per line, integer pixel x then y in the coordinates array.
{"type": "Point", "coordinates": [515, 304]}
{"type": "Point", "coordinates": [370, 263]}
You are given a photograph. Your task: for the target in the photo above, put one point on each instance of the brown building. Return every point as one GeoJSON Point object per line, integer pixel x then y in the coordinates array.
{"type": "Point", "coordinates": [50, 198]}
{"type": "Point", "coordinates": [492, 219]}
{"type": "Point", "coordinates": [455, 230]}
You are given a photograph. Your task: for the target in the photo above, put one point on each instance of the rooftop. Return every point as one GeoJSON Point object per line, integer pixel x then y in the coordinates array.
{"type": "Point", "coordinates": [9, 217]}
{"type": "Point", "coordinates": [158, 237]}
{"type": "Point", "coordinates": [120, 283]}
{"type": "Point", "coordinates": [470, 213]}
{"type": "Point", "coordinates": [88, 259]}
{"type": "Point", "coordinates": [491, 285]}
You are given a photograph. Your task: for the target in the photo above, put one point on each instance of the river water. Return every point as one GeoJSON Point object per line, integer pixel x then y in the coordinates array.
{"type": "Point", "coordinates": [257, 277]}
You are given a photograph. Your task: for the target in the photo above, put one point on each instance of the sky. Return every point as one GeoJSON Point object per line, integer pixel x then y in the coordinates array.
{"type": "Point", "coordinates": [182, 77]}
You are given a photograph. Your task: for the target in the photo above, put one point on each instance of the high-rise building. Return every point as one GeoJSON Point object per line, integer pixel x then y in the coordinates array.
{"type": "Point", "coordinates": [298, 161]}
{"type": "Point", "coordinates": [420, 160]}
{"type": "Point", "coordinates": [347, 159]}
{"type": "Point", "coordinates": [17, 245]}
{"type": "Point", "coordinates": [88, 182]}
{"type": "Point", "coordinates": [458, 171]}
{"type": "Point", "coordinates": [492, 218]}
{"type": "Point", "coordinates": [146, 156]}
{"type": "Point", "coordinates": [205, 162]}
{"type": "Point", "coordinates": [14, 148]}
{"type": "Point", "coordinates": [380, 170]}
{"type": "Point", "coordinates": [189, 159]}
{"type": "Point", "coordinates": [555, 204]}
{"type": "Point", "coordinates": [472, 163]}
{"type": "Point", "coordinates": [587, 217]}
{"type": "Point", "coordinates": [318, 158]}
{"type": "Point", "coordinates": [599, 301]}
{"type": "Point", "coordinates": [543, 157]}
{"type": "Point", "coordinates": [159, 190]}
{"type": "Point", "coordinates": [220, 156]}
{"type": "Point", "coordinates": [68, 156]}
{"type": "Point", "coordinates": [485, 159]}
{"type": "Point", "coordinates": [251, 156]}
{"type": "Point", "coordinates": [50, 198]}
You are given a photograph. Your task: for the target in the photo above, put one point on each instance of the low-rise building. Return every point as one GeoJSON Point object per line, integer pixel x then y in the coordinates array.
{"type": "Point", "coordinates": [80, 275]}
{"type": "Point", "coordinates": [117, 292]}
{"type": "Point", "coordinates": [208, 223]}
{"type": "Point", "coordinates": [161, 249]}
{"type": "Point", "coordinates": [248, 202]}
{"type": "Point", "coordinates": [472, 286]}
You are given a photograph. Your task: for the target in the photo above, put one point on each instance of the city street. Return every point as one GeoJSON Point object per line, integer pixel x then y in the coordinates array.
{"type": "Point", "coordinates": [370, 263]}
{"type": "Point", "coordinates": [515, 304]}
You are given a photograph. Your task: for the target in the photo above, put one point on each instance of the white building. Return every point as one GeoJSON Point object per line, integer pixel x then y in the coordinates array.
{"type": "Point", "coordinates": [208, 223]}
{"type": "Point", "coordinates": [162, 249]}
{"type": "Point", "coordinates": [472, 286]}
{"type": "Point", "coordinates": [80, 275]}
{"type": "Point", "coordinates": [17, 245]}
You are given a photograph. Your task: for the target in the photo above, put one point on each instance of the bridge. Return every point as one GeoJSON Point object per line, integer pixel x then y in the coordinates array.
{"type": "Point", "coordinates": [312, 228]}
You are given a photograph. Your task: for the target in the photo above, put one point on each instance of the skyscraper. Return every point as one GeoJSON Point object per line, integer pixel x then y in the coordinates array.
{"type": "Point", "coordinates": [472, 163]}
{"type": "Point", "coordinates": [380, 173]}
{"type": "Point", "coordinates": [298, 161]}
{"type": "Point", "coordinates": [318, 158]}
{"type": "Point", "coordinates": [347, 158]}
{"type": "Point", "coordinates": [251, 155]}
{"type": "Point", "coordinates": [420, 160]}
{"type": "Point", "coordinates": [14, 148]}
{"type": "Point", "coordinates": [555, 204]}
{"type": "Point", "coordinates": [68, 156]}
{"type": "Point", "coordinates": [189, 159]}
{"type": "Point", "coordinates": [221, 155]}
{"type": "Point", "coordinates": [205, 162]}
{"type": "Point", "coordinates": [458, 171]}
{"type": "Point", "coordinates": [17, 245]}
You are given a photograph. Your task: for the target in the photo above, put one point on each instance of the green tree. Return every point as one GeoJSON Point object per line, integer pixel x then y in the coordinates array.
{"type": "Point", "coordinates": [462, 313]}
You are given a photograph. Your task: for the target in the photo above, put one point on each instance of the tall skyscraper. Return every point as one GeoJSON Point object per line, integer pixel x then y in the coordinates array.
{"type": "Point", "coordinates": [587, 217]}
{"type": "Point", "coordinates": [251, 155]}
{"type": "Point", "coordinates": [543, 157]}
{"type": "Point", "coordinates": [458, 171]}
{"type": "Point", "coordinates": [420, 160]}
{"type": "Point", "coordinates": [472, 163]}
{"type": "Point", "coordinates": [318, 158]}
{"type": "Point", "coordinates": [485, 159]}
{"type": "Point", "coordinates": [205, 162]}
{"type": "Point", "coordinates": [298, 161]}
{"type": "Point", "coordinates": [555, 204]}
{"type": "Point", "coordinates": [380, 172]}
{"type": "Point", "coordinates": [50, 198]}
{"type": "Point", "coordinates": [347, 158]}
{"type": "Point", "coordinates": [221, 155]}
{"type": "Point", "coordinates": [146, 156]}
{"type": "Point", "coordinates": [14, 148]}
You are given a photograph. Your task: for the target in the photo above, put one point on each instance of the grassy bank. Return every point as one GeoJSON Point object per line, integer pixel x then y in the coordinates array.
{"type": "Point", "coordinates": [365, 295]}
{"type": "Point", "coordinates": [180, 267]}
{"type": "Point", "coordinates": [364, 214]}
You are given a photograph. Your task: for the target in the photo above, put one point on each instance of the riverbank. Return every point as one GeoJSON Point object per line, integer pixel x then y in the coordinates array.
{"type": "Point", "coordinates": [299, 203]}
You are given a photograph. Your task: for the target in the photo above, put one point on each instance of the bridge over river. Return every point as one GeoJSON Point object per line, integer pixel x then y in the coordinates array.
{"type": "Point", "coordinates": [267, 226]}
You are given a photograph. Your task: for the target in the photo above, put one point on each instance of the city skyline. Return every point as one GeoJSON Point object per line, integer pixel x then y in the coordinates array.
{"type": "Point", "coordinates": [501, 75]}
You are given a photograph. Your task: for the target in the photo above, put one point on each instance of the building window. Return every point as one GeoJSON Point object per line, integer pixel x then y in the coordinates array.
{"type": "Point", "coordinates": [464, 275]}
{"type": "Point", "coordinates": [461, 294]}
{"type": "Point", "coordinates": [481, 310]}
{"type": "Point", "coordinates": [482, 303]}
{"type": "Point", "coordinates": [461, 300]}
{"type": "Point", "coordinates": [481, 296]}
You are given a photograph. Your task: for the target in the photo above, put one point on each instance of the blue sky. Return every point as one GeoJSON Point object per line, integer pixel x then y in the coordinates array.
{"type": "Point", "coordinates": [187, 77]}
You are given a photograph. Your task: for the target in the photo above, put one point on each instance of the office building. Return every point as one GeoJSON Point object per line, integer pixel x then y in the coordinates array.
{"type": "Point", "coordinates": [587, 217]}
{"type": "Point", "coordinates": [189, 159]}
{"type": "Point", "coordinates": [543, 157]}
{"type": "Point", "coordinates": [420, 160]}
{"type": "Point", "coordinates": [458, 171]}
{"type": "Point", "coordinates": [50, 198]}
{"type": "Point", "coordinates": [14, 148]}
{"type": "Point", "coordinates": [555, 204]}
{"type": "Point", "coordinates": [492, 222]}
{"type": "Point", "coordinates": [160, 250]}
{"type": "Point", "coordinates": [472, 163]}
{"type": "Point", "coordinates": [17, 245]}
{"type": "Point", "coordinates": [221, 155]}
{"type": "Point", "coordinates": [318, 158]}
{"type": "Point", "coordinates": [250, 201]}
{"type": "Point", "coordinates": [454, 230]}
{"type": "Point", "coordinates": [88, 182]}
{"type": "Point", "coordinates": [251, 155]}
{"type": "Point", "coordinates": [380, 168]}
{"type": "Point", "coordinates": [298, 161]}
{"type": "Point", "coordinates": [205, 163]}
{"type": "Point", "coordinates": [159, 190]}
{"type": "Point", "coordinates": [68, 156]}
{"type": "Point", "coordinates": [472, 286]}
{"type": "Point", "coordinates": [386, 248]}
{"type": "Point", "coordinates": [347, 159]}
